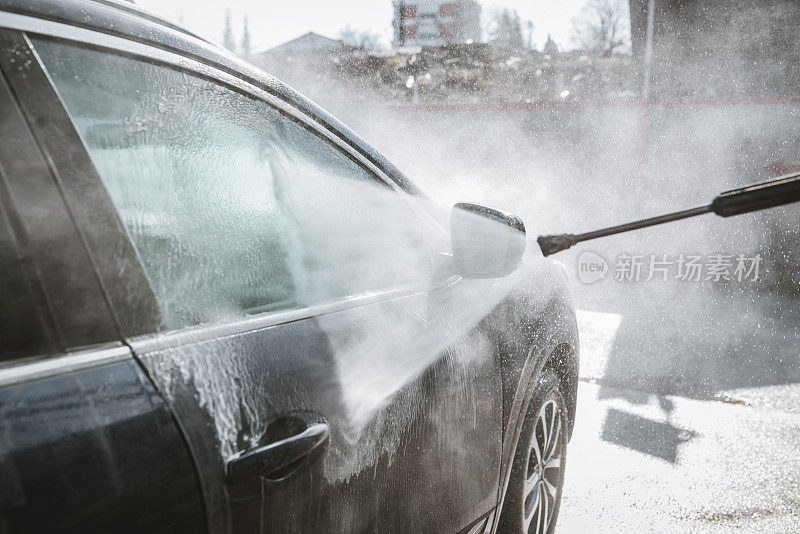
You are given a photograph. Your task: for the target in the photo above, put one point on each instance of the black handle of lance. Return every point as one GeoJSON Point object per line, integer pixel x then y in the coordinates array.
{"type": "Point", "coordinates": [764, 195]}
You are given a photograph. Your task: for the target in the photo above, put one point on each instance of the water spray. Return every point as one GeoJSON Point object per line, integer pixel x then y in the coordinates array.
{"type": "Point", "coordinates": [764, 195]}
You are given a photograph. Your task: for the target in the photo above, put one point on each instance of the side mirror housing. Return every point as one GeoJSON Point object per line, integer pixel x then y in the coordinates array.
{"type": "Point", "coordinates": [487, 243]}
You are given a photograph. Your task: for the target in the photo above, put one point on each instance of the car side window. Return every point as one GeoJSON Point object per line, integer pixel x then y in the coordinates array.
{"type": "Point", "coordinates": [233, 207]}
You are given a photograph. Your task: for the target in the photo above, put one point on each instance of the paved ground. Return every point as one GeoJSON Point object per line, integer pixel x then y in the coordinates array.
{"type": "Point", "coordinates": [671, 464]}
{"type": "Point", "coordinates": [645, 461]}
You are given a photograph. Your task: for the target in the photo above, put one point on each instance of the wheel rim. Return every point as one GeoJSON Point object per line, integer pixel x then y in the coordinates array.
{"type": "Point", "coordinates": [543, 475]}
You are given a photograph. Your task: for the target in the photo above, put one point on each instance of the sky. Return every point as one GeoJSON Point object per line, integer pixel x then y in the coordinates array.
{"type": "Point", "coordinates": [273, 22]}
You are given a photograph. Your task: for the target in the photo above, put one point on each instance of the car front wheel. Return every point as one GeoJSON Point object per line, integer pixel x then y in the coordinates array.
{"type": "Point", "coordinates": [537, 476]}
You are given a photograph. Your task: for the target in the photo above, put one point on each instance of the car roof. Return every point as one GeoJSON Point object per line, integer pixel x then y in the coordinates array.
{"type": "Point", "coordinates": [125, 19]}
{"type": "Point", "coordinates": [130, 7]}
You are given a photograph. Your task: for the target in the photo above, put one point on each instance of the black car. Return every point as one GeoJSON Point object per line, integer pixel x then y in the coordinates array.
{"type": "Point", "coordinates": [223, 311]}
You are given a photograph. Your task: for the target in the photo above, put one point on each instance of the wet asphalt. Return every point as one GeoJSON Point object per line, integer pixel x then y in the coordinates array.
{"type": "Point", "coordinates": [650, 458]}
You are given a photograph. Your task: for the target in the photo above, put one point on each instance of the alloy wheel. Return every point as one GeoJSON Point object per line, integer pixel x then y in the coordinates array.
{"type": "Point", "coordinates": [543, 475]}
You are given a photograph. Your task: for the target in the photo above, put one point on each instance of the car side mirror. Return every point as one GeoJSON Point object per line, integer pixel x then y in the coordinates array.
{"type": "Point", "coordinates": [487, 243]}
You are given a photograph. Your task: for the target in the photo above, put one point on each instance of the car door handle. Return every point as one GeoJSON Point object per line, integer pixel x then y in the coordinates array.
{"type": "Point", "coordinates": [270, 458]}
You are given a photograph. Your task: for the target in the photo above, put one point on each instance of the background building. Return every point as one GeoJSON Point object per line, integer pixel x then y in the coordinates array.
{"type": "Point", "coordinates": [308, 44]}
{"type": "Point", "coordinates": [436, 22]}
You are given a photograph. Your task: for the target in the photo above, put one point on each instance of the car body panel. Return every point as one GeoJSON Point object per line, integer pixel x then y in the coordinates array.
{"type": "Point", "coordinates": [92, 449]}
{"type": "Point", "coordinates": [52, 243]}
{"type": "Point", "coordinates": [86, 442]}
{"type": "Point", "coordinates": [471, 403]}
{"type": "Point", "coordinates": [419, 459]}
{"type": "Point", "coordinates": [432, 455]}
{"type": "Point", "coordinates": [121, 276]}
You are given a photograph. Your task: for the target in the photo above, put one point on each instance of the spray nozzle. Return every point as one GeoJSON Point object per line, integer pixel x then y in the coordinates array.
{"type": "Point", "coordinates": [764, 195]}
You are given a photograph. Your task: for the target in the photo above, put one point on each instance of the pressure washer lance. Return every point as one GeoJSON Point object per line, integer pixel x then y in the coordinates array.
{"type": "Point", "coordinates": [769, 194]}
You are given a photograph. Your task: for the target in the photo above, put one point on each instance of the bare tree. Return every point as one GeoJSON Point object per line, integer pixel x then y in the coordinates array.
{"type": "Point", "coordinates": [603, 27]}
{"type": "Point", "coordinates": [506, 30]}
{"type": "Point", "coordinates": [361, 39]}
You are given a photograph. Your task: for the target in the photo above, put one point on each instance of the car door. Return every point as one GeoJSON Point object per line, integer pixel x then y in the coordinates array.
{"type": "Point", "coordinates": [86, 443]}
{"type": "Point", "coordinates": [325, 376]}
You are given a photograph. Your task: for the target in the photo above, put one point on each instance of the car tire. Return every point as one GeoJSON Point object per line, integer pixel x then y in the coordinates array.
{"type": "Point", "coordinates": [534, 490]}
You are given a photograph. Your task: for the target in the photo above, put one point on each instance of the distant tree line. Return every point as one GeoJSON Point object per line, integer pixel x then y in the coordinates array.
{"type": "Point", "coordinates": [602, 27]}
{"type": "Point", "coordinates": [360, 39]}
